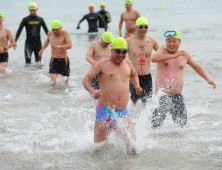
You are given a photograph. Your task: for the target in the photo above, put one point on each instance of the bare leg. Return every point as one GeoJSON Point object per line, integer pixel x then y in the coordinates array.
{"type": "Point", "coordinates": [100, 131]}
{"type": "Point", "coordinates": [3, 66]}
{"type": "Point", "coordinates": [67, 81]}
{"type": "Point", "coordinates": [53, 79]}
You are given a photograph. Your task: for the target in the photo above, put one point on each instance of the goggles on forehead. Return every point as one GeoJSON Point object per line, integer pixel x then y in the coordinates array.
{"type": "Point", "coordinates": [118, 51]}
{"type": "Point", "coordinates": [170, 33]}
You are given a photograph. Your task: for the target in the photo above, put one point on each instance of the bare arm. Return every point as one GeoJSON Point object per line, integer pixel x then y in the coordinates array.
{"type": "Point", "coordinates": [96, 69]}
{"type": "Point", "coordinates": [156, 45]}
{"type": "Point", "coordinates": [45, 45]}
{"type": "Point", "coordinates": [68, 44]}
{"type": "Point", "coordinates": [11, 39]}
{"type": "Point", "coordinates": [120, 25]}
{"type": "Point", "coordinates": [135, 80]}
{"type": "Point", "coordinates": [161, 56]}
{"type": "Point", "coordinates": [199, 70]}
{"type": "Point", "coordinates": [90, 54]}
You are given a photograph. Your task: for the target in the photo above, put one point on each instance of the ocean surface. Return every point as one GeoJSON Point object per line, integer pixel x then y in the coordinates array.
{"type": "Point", "coordinates": [44, 127]}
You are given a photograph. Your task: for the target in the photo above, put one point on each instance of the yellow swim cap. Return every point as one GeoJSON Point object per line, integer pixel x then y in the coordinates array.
{"type": "Point", "coordinates": [129, 2]}
{"type": "Point", "coordinates": [56, 24]}
{"type": "Point", "coordinates": [119, 42]}
{"type": "Point", "coordinates": [102, 4]}
{"type": "Point", "coordinates": [171, 33]}
{"type": "Point", "coordinates": [2, 15]}
{"type": "Point", "coordinates": [141, 21]}
{"type": "Point", "coordinates": [32, 5]}
{"type": "Point", "coordinates": [107, 37]}
{"type": "Point", "coordinates": [91, 5]}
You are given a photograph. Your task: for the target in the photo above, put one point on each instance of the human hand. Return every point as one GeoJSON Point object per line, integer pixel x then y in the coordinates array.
{"type": "Point", "coordinates": [180, 53]}
{"type": "Point", "coordinates": [96, 93]}
{"type": "Point", "coordinates": [40, 53]}
{"type": "Point", "coordinates": [105, 27]}
{"type": "Point", "coordinates": [94, 62]}
{"type": "Point", "coordinates": [55, 47]}
{"type": "Point", "coordinates": [212, 83]}
{"type": "Point", "coordinates": [78, 27]}
{"type": "Point", "coordinates": [139, 90]}
{"type": "Point", "coordinates": [120, 34]}
{"type": "Point", "coordinates": [15, 46]}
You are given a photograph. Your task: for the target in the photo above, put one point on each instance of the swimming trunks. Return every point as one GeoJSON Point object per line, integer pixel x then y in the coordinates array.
{"type": "Point", "coordinates": [95, 83]}
{"type": "Point", "coordinates": [146, 84]}
{"type": "Point", "coordinates": [33, 39]}
{"type": "Point", "coordinates": [106, 17]}
{"type": "Point", "coordinates": [107, 115]}
{"type": "Point", "coordinates": [92, 21]}
{"type": "Point", "coordinates": [59, 66]}
{"type": "Point", "coordinates": [174, 105]}
{"type": "Point", "coordinates": [130, 33]}
{"type": "Point", "coordinates": [3, 57]}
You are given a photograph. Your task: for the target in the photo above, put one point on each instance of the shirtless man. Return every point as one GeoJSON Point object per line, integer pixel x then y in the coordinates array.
{"type": "Point", "coordinates": [5, 35]}
{"type": "Point", "coordinates": [60, 41]}
{"type": "Point", "coordinates": [169, 78]}
{"type": "Point", "coordinates": [129, 16]}
{"type": "Point", "coordinates": [114, 74]}
{"type": "Point", "coordinates": [98, 50]}
{"type": "Point", "coordinates": [139, 52]}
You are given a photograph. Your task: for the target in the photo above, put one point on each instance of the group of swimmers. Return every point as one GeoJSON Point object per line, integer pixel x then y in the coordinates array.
{"type": "Point", "coordinates": [112, 76]}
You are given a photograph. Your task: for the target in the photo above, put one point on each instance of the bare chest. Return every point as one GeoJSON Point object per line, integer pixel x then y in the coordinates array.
{"type": "Point", "coordinates": [57, 40]}
{"type": "Point", "coordinates": [175, 64]}
{"type": "Point", "coordinates": [129, 16]}
{"type": "Point", "coordinates": [3, 35]}
{"type": "Point", "coordinates": [102, 52]}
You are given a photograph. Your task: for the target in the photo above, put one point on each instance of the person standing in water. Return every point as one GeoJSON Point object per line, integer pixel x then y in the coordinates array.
{"type": "Point", "coordinates": [129, 16]}
{"type": "Point", "coordinates": [114, 73]}
{"type": "Point", "coordinates": [106, 16]}
{"type": "Point", "coordinates": [169, 78]}
{"type": "Point", "coordinates": [5, 35]}
{"type": "Point", "coordinates": [139, 52]}
{"type": "Point", "coordinates": [60, 41]}
{"type": "Point", "coordinates": [33, 25]}
{"type": "Point", "coordinates": [98, 50]}
{"type": "Point", "coordinates": [92, 19]}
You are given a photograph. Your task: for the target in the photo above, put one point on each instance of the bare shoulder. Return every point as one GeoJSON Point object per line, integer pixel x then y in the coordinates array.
{"type": "Point", "coordinates": [65, 32]}
{"type": "Point", "coordinates": [99, 64]}
{"type": "Point", "coordinates": [137, 12]}
{"type": "Point", "coordinates": [128, 39]}
{"type": "Point", "coordinates": [128, 62]}
{"type": "Point", "coordinates": [7, 29]}
{"type": "Point", "coordinates": [49, 33]}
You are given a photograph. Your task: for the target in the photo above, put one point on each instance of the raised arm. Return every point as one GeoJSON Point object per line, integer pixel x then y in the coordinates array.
{"type": "Point", "coordinates": [96, 69]}
{"type": "Point", "coordinates": [120, 25]}
{"type": "Point", "coordinates": [19, 30]}
{"type": "Point", "coordinates": [90, 54]}
{"type": "Point", "coordinates": [161, 56]}
{"type": "Point", "coordinates": [45, 27]}
{"type": "Point", "coordinates": [11, 39]}
{"type": "Point", "coordinates": [199, 70]}
{"type": "Point", "coordinates": [135, 80]}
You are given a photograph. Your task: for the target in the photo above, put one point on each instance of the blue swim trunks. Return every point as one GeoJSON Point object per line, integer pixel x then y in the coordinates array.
{"type": "Point", "coordinates": [107, 115]}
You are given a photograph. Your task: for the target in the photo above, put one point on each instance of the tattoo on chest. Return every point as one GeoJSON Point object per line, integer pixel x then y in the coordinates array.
{"type": "Point", "coordinates": [142, 55]}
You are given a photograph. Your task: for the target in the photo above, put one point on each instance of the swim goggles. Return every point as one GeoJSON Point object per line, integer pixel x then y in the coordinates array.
{"type": "Point", "coordinates": [118, 51]}
{"type": "Point", "coordinates": [170, 33]}
{"type": "Point", "coordinates": [141, 26]}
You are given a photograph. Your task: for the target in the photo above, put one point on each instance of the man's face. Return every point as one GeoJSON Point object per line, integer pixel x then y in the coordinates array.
{"type": "Point", "coordinates": [142, 30]}
{"type": "Point", "coordinates": [128, 6]}
{"type": "Point", "coordinates": [118, 56]}
{"type": "Point", "coordinates": [1, 20]}
{"type": "Point", "coordinates": [173, 44]}
{"type": "Point", "coordinates": [102, 8]}
{"type": "Point", "coordinates": [105, 44]}
{"type": "Point", "coordinates": [57, 32]}
{"type": "Point", "coordinates": [91, 9]}
{"type": "Point", "coordinates": [33, 12]}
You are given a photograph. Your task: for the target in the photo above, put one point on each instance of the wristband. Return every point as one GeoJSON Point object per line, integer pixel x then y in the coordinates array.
{"type": "Point", "coordinates": [5, 48]}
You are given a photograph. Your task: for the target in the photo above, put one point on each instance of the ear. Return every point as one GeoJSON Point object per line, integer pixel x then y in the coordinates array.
{"type": "Point", "coordinates": [36, 9]}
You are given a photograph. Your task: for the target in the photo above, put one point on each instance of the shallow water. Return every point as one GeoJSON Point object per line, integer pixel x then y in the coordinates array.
{"type": "Point", "coordinates": [44, 127]}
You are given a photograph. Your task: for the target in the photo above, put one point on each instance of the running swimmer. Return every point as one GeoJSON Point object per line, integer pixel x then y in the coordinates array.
{"type": "Point", "coordinates": [114, 74]}
{"type": "Point", "coordinates": [169, 78]}
{"type": "Point", "coordinates": [139, 52]}
{"type": "Point", "coordinates": [60, 41]}
{"type": "Point", "coordinates": [5, 35]}
{"type": "Point", "coordinates": [98, 50]}
{"type": "Point", "coordinates": [106, 16]}
{"type": "Point", "coordinates": [92, 19]}
{"type": "Point", "coordinates": [129, 16]}
{"type": "Point", "coordinates": [33, 25]}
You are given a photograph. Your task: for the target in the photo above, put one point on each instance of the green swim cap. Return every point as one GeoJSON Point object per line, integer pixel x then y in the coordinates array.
{"type": "Point", "coordinates": [141, 21]}
{"type": "Point", "coordinates": [32, 5]}
{"type": "Point", "coordinates": [91, 5]}
{"type": "Point", "coordinates": [175, 36]}
{"type": "Point", "coordinates": [107, 37]}
{"type": "Point", "coordinates": [102, 4]}
{"type": "Point", "coordinates": [119, 42]}
{"type": "Point", "coordinates": [56, 24]}
{"type": "Point", "coordinates": [2, 15]}
{"type": "Point", "coordinates": [129, 2]}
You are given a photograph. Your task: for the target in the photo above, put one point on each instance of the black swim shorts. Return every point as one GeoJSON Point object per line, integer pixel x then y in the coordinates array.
{"type": "Point", "coordinates": [59, 66]}
{"type": "Point", "coordinates": [3, 57]}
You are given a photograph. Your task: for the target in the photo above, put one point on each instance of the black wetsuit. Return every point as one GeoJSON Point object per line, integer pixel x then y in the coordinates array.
{"type": "Point", "coordinates": [106, 18]}
{"type": "Point", "coordinates": [92, 21]}
{"type": "Point", "coordinates": [33, 39]}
